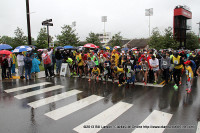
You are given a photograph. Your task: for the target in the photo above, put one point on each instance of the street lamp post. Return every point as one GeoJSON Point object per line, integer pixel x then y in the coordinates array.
{"type": "Point", "coordinates": [28, 22]}
{"type": "Point", "coordinates": [149, 12]}
{"type": "Point", "coordinates": [104, 20]}
{"type": "Point", "coordinates": [47, 23]}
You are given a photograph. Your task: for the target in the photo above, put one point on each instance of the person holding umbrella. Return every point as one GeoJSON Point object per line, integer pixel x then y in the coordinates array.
{"type": "Point", "coordinates": [59, 58]}
{"type": "Point", "coordinates": [4, 65]}
{"type": "Point", "coordinates": [20, 62]}
{"type": "Point", "coordinates": [13, 56]}
{"type": "Point", "coordinates": [10, 63]}
{"type": "Point", "coordinates": [28, 66]}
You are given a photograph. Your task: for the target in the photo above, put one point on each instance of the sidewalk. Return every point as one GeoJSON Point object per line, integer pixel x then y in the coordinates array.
{"type": "Point", "coordinates": [40, 74]}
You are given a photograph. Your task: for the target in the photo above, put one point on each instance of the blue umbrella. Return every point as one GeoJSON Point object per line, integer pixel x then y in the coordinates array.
{"type": "Point", "coordinates": [5, 46]}
{"type": "Point", "coordinates": [68, 47]}
{"type": "Point", "coordinates": [59, 47]}
{"type": "Point", "coordinates": [125, 49]}
{"type": "Point", "coordinates": [22, 49]}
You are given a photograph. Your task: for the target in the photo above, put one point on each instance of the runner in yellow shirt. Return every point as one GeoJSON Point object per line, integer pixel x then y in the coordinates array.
{"type": "Point", "coordinates": [79, 61]}
{"type": "Point", "coordinates": [96, 73]}
{"type": "Point", "coordinates": [120, 72]}
{"type": "Point", "coordinates": [189, 74]}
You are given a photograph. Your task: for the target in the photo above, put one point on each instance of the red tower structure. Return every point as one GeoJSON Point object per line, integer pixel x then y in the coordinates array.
{"type": "Point", "coordinates": [182, 19]}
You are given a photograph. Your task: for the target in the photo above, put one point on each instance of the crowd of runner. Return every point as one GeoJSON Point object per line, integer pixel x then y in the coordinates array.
{"type": "Point", "coordinates": [127, 67]}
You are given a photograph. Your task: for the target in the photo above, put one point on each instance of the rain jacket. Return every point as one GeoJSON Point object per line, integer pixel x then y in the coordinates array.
{"type": "Point", "coordinates": [35, 65]}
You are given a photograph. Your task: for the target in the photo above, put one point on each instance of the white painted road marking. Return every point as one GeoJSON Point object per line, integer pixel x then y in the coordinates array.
{"type": "Point", "coordinates": [26, 87]}
{"type": "Point", "coordinates": [54, 98]}
{"type": "Point", "coordinates": [156, 118]}
{"type": "Point", "coordinates": [32, 93]}
{"type": "Point", "coordinates": [104, 118]}
{"type": "Point", "coordinates": [68, 109]}
{"type": "Point", "coordinates": [198, 128]}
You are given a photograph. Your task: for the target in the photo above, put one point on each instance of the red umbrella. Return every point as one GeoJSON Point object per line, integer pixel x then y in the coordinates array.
{"type": "Point", "coordinates": [5, 52]}
{"type": "Point", "coordinates": [89, 45]}
{"type": "Point", "coordinates": [133, 49]}
{"type": "Point", "coordinates": [117, 47]}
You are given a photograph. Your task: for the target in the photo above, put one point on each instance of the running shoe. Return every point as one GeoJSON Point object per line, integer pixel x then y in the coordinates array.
{"type": "Point", "coordinates": [175, 87]}
{"type": "Point", "coordinates": [180, 82]}
{"type": "Point", "coordinates": [187, 89]}
{"type": "Point", "coordinates": [155, 83]}
{"type": "Point", "coordinates": [145, 83]}
{"type": "Point", "coordinates": [119, 85]}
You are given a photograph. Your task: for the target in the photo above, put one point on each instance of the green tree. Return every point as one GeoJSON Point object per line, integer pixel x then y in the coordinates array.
{"type": "Point", "coordinates": [93, 38]}
{"type": "Point", "coordinates": [68, 36]}
{"type": "Point", "coordinates": [19, 38]}
{"type": "Point", "coordinates": [169, 41]}
{"type": "Point", "coordinates": [6, 40]}
{"type": "Point", "coordinates": [156, 40]}
{"type": "Point", "coordinates": [192, 42]}
{"type": "Point", "coordinates": [42, 39]}
{"type": "Point", "coordinates": [116, 40]}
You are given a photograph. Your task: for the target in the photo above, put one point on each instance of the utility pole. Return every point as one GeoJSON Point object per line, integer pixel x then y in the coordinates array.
{"type": "Point", "coordinates": [28, 22]}
{"type": "Point", "coordinates": [199, 29]}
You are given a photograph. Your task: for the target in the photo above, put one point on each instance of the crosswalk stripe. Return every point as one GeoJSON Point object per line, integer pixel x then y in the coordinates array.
{"type": "Point", "coordinates": [26, 87]}
{"type": "Point", "coordinates": [104, 118]}
{"type": "Point", "coordinates": [29, 94]}
{"type": "Point", "coordinates": [148, 84]}
{"type": "Point", "coordinates": [68, 109]}
{"type": "Point", "coordinates": [154, 122]}
{"type": "Point", "coordinates": [55, 98]}
{"type": "Point", "coordinates": [198, 128]}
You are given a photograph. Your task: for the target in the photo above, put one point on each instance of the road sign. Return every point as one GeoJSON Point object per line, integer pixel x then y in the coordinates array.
{"type": "Point", "coordinates": [46, 22]}
{"type": "Point", "coordinates": [51, 45]}
{"type": "Point", "coordinates": [104, 18]}
{"type": "Point", "coordinates": [50, 24]}
{"type": "Point", "coordinates": [149, 12]}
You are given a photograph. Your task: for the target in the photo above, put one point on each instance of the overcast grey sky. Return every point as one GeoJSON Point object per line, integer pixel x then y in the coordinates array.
{"type": "Point", "coordinates": [125, 16]}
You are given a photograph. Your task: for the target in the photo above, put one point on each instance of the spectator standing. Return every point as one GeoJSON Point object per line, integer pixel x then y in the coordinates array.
{"type": "Point", "coordinates": [28, 66]}
{"type": "Point", "coordinates": [20, 62]}
{"type": "Point", "coordinates": [13, 56]}
{"type": "Point", "coordinates": [35, 66]}
{"type": "Point", "coordinates": [47, 63]}
{"type": "Point", "coordinates": [58, 57]}
{"type": "Point", "coordinates": [10, 63]}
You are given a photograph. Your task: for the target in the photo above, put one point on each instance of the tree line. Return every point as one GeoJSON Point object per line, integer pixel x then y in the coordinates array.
{"type": "Point", "coordinates": [166, 40]}
{"type": "Point", "coordinates": [69, 36]}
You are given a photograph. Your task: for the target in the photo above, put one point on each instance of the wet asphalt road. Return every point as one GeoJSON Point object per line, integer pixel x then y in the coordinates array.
{"type": "Point", "coordinates": [16, 116]}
